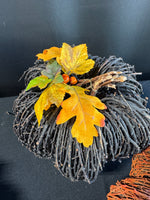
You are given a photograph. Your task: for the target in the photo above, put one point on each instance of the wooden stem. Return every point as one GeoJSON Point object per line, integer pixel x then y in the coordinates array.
{"type": "Point", "coordinates": [108, 79]}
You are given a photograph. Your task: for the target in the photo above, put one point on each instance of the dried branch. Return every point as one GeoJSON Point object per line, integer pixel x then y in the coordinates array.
{"type": "Point", "coordinates": [108, 79]}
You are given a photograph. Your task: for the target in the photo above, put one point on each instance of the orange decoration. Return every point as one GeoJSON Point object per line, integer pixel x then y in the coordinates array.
{"type": "Point", "coordinates": [138, 185]}
{"type": "Point", "coordinates": [66, 78]}
{"type": "Point", "coordinates": [141, 164]}
{"type": "Point", "coordinates": [73, 80]}
{"type": "Point", "coordinates": [130, 188]}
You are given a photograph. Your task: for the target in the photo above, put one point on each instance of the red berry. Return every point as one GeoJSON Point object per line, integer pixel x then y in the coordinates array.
{"type": "Point", "coordinates": [66, 78]}
{"type": "Point", "coordinates": [73, 80]}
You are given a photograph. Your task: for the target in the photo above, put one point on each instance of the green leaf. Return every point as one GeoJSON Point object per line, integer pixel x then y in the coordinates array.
{"type": "Point", "coordinates": [40, 81]}
{"type": "Point", "coordinates": [51, 69]}
{"type": "Point", "coordinates": [48, 74]}
{"type": "Point", "coordinates": [58, 78]}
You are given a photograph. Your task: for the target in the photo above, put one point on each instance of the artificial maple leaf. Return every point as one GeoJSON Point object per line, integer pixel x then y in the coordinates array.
{"type": "Point", "coordinates": [53, 94]}
{"type": "Point", "coordinates": [75, 60]}
{"type": "Point", "coordinates": [50, 53]}
{"type": "Point", "coordinates": [82, 106]}
{"type": "Point", "coordinates": [40, 81]}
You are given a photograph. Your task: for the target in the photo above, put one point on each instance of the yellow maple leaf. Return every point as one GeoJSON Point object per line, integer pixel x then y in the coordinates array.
{"type": "Point", "coordinates": [75, 60]}
{"type": "Point", "coordinates": [82, 106]}
{"type": "Point", "coordinates": [53, 94]}
{"type": "Point", "coordinates": [50, 53]}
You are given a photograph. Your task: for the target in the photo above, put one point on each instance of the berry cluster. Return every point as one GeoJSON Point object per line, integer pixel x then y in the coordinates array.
{"type": "Point", "coordinates": [72, 79]}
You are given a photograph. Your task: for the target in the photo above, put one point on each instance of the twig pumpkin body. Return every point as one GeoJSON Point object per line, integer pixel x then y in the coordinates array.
{"type": "Point", "coordinates": [126, 130]}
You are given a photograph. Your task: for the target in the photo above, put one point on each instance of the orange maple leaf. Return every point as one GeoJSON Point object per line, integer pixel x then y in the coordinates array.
{"type": "Point", "coordinates": [83, 107]}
